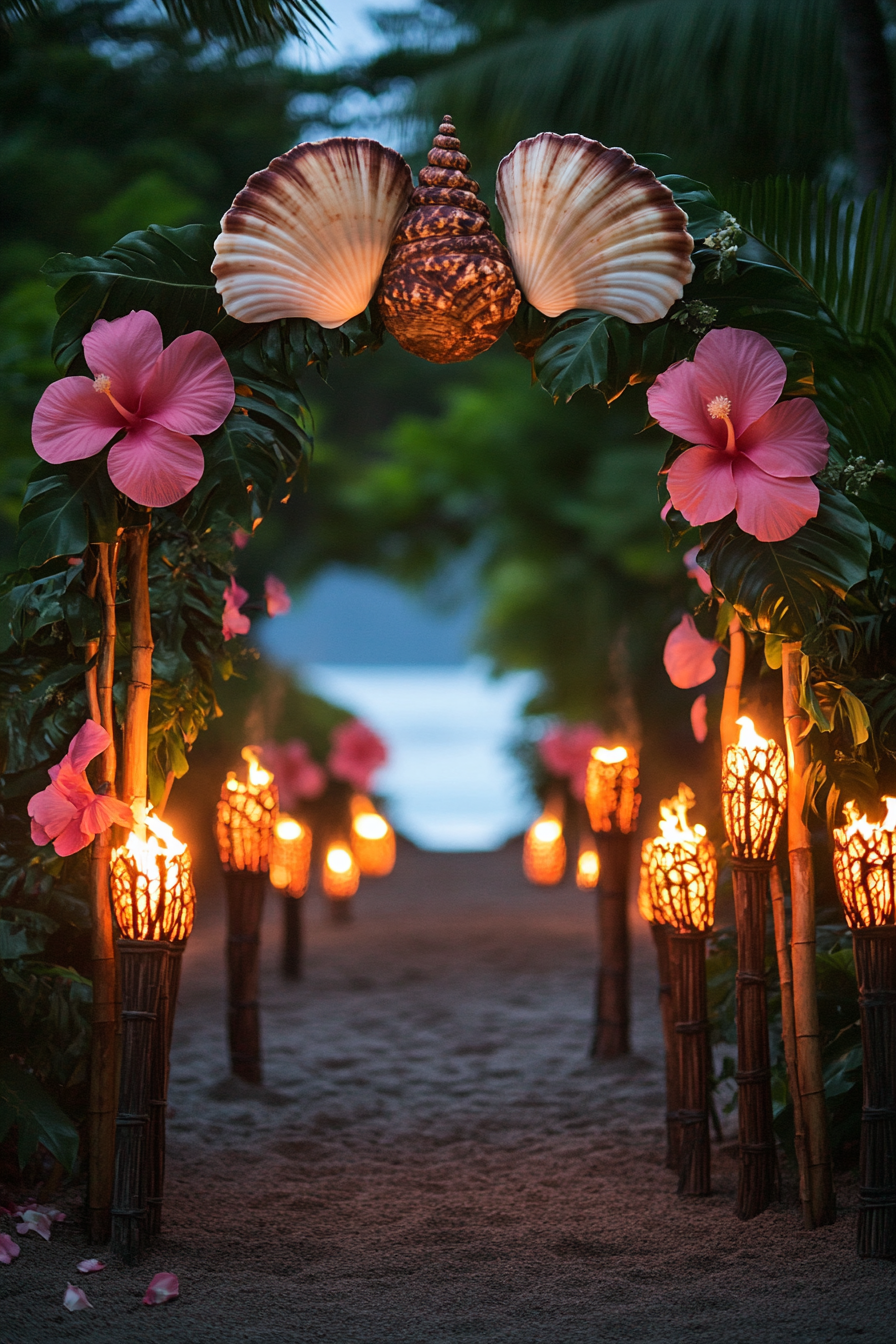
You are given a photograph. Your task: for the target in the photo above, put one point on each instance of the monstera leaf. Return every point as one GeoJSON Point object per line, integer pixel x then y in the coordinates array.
{"type": "Point", "coordinates": [784, 588]}
{"type": "Point", "coordinates": [66, 505]}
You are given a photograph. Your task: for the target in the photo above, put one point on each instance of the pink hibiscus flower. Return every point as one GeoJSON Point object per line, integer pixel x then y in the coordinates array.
{"type": "Point", "coordinates": [296, 774]}
{"type": "Point", "coordinates": [234, 622]}
{"type": "Point", "coordinates": [565, 750]}
{"type": "Point", "coordinates": [688, 657]}
{"type": "Point", "coordinates": [694, 570]}
{"type": "Point", "coordinates": [753, 454]}
{"type": "Point", "coordinates": [698, 719]}
{"type": "Point", "coordinates": [240, 538]}
{"type": "Point", "coordinates": [158, 396]}
{"type": "Point", "coordinates": [357, 753]}
{"type": "Point", "coordinates": [276, 597]}
{"type": "Point", "coordinates": [68, 812]}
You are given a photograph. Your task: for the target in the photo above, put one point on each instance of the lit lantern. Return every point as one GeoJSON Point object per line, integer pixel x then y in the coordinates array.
{"type": "Point", "coordinates": [611, 789]}
{"type": "Point", "coordinates": [151, 884]}
{"type": "Point", "coordinates": [865, 869]}
{"type": "Point", "coordinates": [613, 800]}
{"type": "Point", "coordinates": [373, 839]}
{"type": "Point", "coordinates": [544, 851]}
{"type": "Point", "coordinates": [754, 800]}
{"type": "Point", "coordinates": [681, 875]}
{"type": "Point", "coordinates": [341, 874]}
{"type": "Point", "coordinates": [247, 813]}
{"type": "Point", "coordinates": [588, 865]}
{"type": "Point", "coordinates": [290, 856]}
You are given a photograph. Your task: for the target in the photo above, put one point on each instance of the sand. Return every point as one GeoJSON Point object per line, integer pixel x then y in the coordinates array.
{"type": "Point", "coordinates": [434, 1158]}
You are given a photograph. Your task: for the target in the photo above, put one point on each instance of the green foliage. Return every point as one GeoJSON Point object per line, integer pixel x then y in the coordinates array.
{"type": "Point", "coordinates": [24, 1103]}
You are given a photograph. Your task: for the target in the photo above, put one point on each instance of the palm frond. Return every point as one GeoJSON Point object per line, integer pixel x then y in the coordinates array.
{"type": "Point", "coordinates": [754, 85]}
{"type": "Point", "coordinates": [844, 251]}
{"type": "Point", "coordinates": [247, 24]}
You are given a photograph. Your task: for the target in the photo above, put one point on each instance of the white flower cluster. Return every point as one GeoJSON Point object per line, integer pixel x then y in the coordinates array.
{"type": "Point", "coordinates": [859, 473]}
{"type": "Point", "coordinates": [696, 316]}
{"type": "Point", "coordinates": [726, 240]}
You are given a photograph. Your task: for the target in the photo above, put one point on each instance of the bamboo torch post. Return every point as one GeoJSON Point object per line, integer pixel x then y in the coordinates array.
{"type": "Point", "coordinates": [821, 1207]}
{"type": "Point", "coordinates": [788, 1032]}
{"type": "Point", "coordinates": [136, 728]}
{"type": "Point", "coordinates": [103, 1102]}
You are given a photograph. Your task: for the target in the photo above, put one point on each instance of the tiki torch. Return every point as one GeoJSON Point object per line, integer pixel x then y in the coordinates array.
{"type": "Point", "coordinates": [340, 876]}
{"type": "Point", "coordinates": [544, 848]}
{"type": "Point", "coordinates": [247, 812]}
{"type": "Point", "coordinates": [865, 868]}
{"type": "Point", "coordinates": [612, 799]}
{"type": "Point", "coordinates": [660, 934]}
{"type": "Point", "coordinates": [754, 801]}
{"type": "Point", "coordinates": [151, 885]}
{"type": "Point", "coordinates": [681, 877]}
{"type": "Point", "coordinates": [372, 839]}
{"type": "Point", "coordinates": [289, 867]}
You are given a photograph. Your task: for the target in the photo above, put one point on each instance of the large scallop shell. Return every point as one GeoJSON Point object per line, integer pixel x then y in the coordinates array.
{"type": "Point", "coordinates": [307, 237]}
{"type": "Point", "coordinates": [587, 227]}
{"type": "Point", "coordinates": [448, 290]}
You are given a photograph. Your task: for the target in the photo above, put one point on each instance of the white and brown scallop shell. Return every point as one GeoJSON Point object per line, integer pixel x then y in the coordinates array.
{"type": "Point", "coordinates": [587, 227]}
{"type": "Point", "coordinates": [307, 237]}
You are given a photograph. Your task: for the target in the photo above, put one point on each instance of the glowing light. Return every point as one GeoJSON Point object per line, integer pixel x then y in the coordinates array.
{"type": "Point", "coordinates": [587, 869]}
{"type": "Point", "coordinates": [373, 839]}
{"type": "Point", "coordinates": [340, 874]}
{"type": "Point", "coordinates": [865, 867]}
{"type": "Point", "coordinates": [611, 789]}
{"type": "Point", "coordinates": [152, 884]}
{"type": "Point", "coordinates": [290, 856]}
{"type": "Point", "coordinates": [258, 776]}
{"type": "Point", "coordinates": [679, 868]}
{"type": "Point", "coordinates": [246, 816]}
{"type": "Point", "coordinates": [547, 831]}
{"type": "Point", "coordinates": [370, 826]}
{"type": "Point", "coordinates": [609, 755]}
{"type": "Point", "coordinates": [339, 860]}
{"type": "Point", "coordinates": [754, 793]}
{"type": "Point", "coordinates": [287, 829]}
{"type": "Point", "coordinates": [544, 851]}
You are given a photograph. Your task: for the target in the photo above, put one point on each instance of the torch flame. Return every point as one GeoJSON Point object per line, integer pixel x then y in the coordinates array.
{"type": "Point", "coordinates": [749, 738]}
{"type": "Point", "coordinates": [547, 830]}
{"type": "Point", "coordinates": [865, 827]}
{"type": "Point", "coordinates": [161, 840]}
{"type": "Point", "coordinates": [287, 829]}
{"type": "Point", "coordinates": [370, 826]}
{"type": "Point", "coordinates": [674, 818]}
{"type": "Point", "coordinates": [610, 755]}
{"type": "Point", "coordinates": [339, 860]}
{"type": "Point", "coordinates": [257, 776]}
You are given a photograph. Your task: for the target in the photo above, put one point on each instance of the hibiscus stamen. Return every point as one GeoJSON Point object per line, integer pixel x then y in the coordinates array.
{"type": "Point", "coordinates": [103, 384]}
{"type": "Point", "coordinates": [719, 408]}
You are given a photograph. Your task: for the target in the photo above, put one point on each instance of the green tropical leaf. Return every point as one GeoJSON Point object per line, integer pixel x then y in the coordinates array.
{"type": "Point", "coordinates": [785, 587]}
{"type": "Point", "coordinates": [66, 505]}
{"type": "Point", "coordinates": [575, 354]}
{"type": "Point", "coordinates": [26, 1103]}
{"type": "Point", "coordinates": [247, 24]}
{"type": "Point", "coordinates": [704, 213]}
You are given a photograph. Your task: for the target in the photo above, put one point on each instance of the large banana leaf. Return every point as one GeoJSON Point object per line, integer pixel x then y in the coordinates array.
{"type": "Point", "coordinates": [784, 588]}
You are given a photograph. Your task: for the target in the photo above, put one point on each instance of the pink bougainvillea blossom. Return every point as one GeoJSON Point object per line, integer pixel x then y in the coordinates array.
{"type": "Point", "coordinates": [698, 718]}
{"type": "Point", "coordinates": [68, 812]}
{"type": "Point", "coordinates": [241, 538]}
{"type": "Point", "coordinates": [75, 1299]}
{"type": "Point", "coordinates": [753, 453]}
{"type": "Point", "coordinates": [277, 599]}
{"type": "Point", "coordinates": [161, 1289]}
{"type": "Point", "coordinates": [688, 657]}
{"type": "Point", "coordinates": [159, 397]}
{"type": "Point", "coordinates": [565, 750]}
{"type": "Point", "coordinates": [694, 570]}
{"type": "Point", "coordinates": [9, 1249]}
{"type": "Point", "coordinates": [90, 1266]}
{"type": "Point", "coordinates": [298, 776]}
{"type": "Point", "coordinates": [234, 622]}
{"type": "Point", "coordinates": [357, 753]}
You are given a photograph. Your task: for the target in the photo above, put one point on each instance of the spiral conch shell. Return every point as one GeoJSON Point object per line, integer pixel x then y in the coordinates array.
{"type": "Point", "coordinates": [587, 227]}
{"type": "Point", "coordinates": [448, 290]}
{"type": "Point", "coordinates": [307, 237]}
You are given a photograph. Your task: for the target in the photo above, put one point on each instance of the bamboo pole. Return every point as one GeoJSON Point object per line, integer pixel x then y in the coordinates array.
{"type": "Point", "coordinates": [687, 966]}
{"type": "Point", "coordinates": [737, 655]}
{"type": "Point", "coordinates": [661, 937]}
{"type": "Point", "coordinates": [788, 1034]}
{"type": "Point", "coordinates": [611, 1029]}
{"type": "Point", "coordinates": [103, 1099]}
{"type": "Point", "coordinates": [875, 955]}
{"type": "Point", "coordinates": [291, 965]}
{"type": "Point", "coordinates": [245, 899]}
{"type": "Point", "coordinates": [160, 1072]}
{"type": "Point", "coordinates": [821, 1207]}
{"type": "Point", "coordinates": [136, 727]}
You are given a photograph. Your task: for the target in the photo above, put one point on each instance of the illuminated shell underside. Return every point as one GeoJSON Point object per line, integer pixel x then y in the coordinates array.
{"type": "Point", "coordinates": [307, 237]}
{"type": "Point", "coordinates": [587, 227]}
{"type": "Point", "coordinates": [448, 290]}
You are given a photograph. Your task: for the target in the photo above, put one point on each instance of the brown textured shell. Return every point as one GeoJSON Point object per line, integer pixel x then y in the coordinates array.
{"type": "Point", "coordinates": [447, 291]}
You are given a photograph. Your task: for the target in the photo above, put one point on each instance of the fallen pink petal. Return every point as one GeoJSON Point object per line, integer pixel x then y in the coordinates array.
{"type": "Point", "coordinates": [752, 453]}
{"type": "Point", "coordinates": [688, 657]}
{"type": "Point", "coordinates": [698, 719]}
{"type": "Point", "coordinates": [158, 396]}
{"type": "Point", "coordinates": [90, 1266]}
{"type": "Point", "coordinates": [9, 1249]}
{"type": "Point", "coordinates": [162, 1288]}
{"type": "Point", "coordinates": [33, 1221]}
{"type": "Point", "coordinates": [75, 1299]}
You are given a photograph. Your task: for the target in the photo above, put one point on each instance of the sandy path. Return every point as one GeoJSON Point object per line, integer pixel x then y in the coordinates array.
{"type": "Point", "coordinates": [433, 1157]}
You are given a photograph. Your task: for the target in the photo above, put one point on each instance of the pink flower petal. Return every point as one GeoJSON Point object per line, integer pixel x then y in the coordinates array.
{"type": "Point", "coordinates": [742, 366]}
{"type": "Point", "coordinates": [675, 400]}
{"type": "Point", "coordinates": [9, 1249]}
{"type": "Point", "coordinates": [771, 508]}
{"type": "Point", "coordinates": [73, 421]}
{"type": "Point", "coordinates": [241, 538]}
{"type": "Point", "coordinates": [90, 1266]}
{"type": "Point", "coordinates": [277, 599]}
{"type": "Point", "coordinates": [358, 752]}
{"type": "Point", "coordinates": [235, 594]}
{"type": "Point", "coordinates": [38, 834]}
{"type": "Point", "coordinates": [72, 839]}
{"type": "Point", "coordinates": [695, 571]}
{"type": "Point", "coordinates": [688, 657]}
{"type": "Point", "coordinates": [87, 743]}
{"type": "Point", "coordinates": [154, 466]}
{"type": "Point", "coordinates": [701, 485]}
{"type": "Point", "coordinates": [32, 1220]}
{"type": "Point", "coordinates": [698, 718]}
{"type": "Point", "coordinates": [789, 440]}
{"type": "Point", "coordinates": [51, 810]}
{"type": "Point", "coordinates": [125, 350]}
{"type": "Point", "coordinates": [161, 1289]}
{"type": "Point", "coordinates": [190, 389]}
{"type": "Point", "coordinates": [103, 812]}
{"type": "Point", "coordinates": [75, 1299]}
